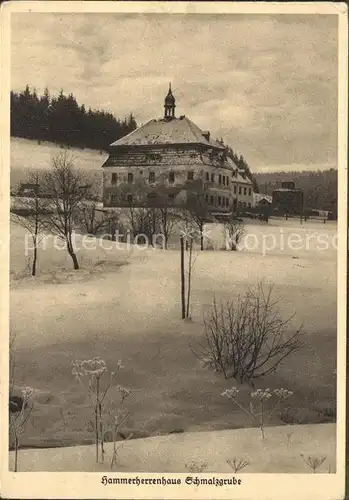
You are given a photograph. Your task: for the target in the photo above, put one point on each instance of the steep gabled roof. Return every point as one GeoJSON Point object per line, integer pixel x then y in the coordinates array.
{"type": "Point", "coordinates": [176, 131]}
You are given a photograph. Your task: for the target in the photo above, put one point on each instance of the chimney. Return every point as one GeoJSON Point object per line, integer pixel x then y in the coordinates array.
{"type": "Point", "coordinates": [206, 134]}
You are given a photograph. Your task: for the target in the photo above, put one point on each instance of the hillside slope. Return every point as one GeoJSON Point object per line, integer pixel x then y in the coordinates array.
{"type": "Point", "coordinates": [27, 154]}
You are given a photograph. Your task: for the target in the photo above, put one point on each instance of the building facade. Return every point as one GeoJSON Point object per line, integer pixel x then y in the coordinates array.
{"type": "Point", "coordinates": [166, 159]}
{"type": "Point", "coordinates": [288, 199]}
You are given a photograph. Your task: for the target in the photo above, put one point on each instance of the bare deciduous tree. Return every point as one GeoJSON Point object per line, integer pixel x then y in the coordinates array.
{"type": "Point", "coordinates": [67, 189]}
{"type": "Point", "coordinates": [141, 215]}
{"type": "Point", "coordinates": [197, 211]}
{"type": "Point", "coordinates": [92, 219]}
{"type": "Point", "coordinates": [30, 212]}
{"type": "Point", "coordinates": [247, 338]}
{"type": "Point", "coordinates": [168, 219]}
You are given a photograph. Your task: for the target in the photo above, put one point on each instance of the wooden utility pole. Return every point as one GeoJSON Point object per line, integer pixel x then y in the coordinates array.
{"type": "Point", "coordinates": [182, 277]}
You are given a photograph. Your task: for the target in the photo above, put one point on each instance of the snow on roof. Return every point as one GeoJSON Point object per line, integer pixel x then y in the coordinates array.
{"type": "Point", "coordinates": [176, 131]}
{"type": "Point", "coordinates": [257, 197]}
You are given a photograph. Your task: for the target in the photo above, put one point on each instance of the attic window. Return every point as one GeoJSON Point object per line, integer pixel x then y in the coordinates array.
{"type": "Point", "coordinates": [190, 175]}
{"type": "Point", "coordinates": [171, 177]}
{"type": "Point", "coordinates": [130, 177]}
{"type": "Point", "coordinates": [114, 178]}
{"type": "Point", "coordinates": [206, 134]}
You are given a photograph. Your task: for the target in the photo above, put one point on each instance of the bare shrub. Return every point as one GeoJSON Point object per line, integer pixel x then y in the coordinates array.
{"type": "Point", "coordinates": [234, 229]}
{"type": "Point", "coordinates": [92, 219]}
{"type": "Point", "coordinates": [246, 338]}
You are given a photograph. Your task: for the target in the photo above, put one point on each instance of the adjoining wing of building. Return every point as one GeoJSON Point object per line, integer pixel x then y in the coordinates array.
{"type": "Point", "coordinates": [166, 159]}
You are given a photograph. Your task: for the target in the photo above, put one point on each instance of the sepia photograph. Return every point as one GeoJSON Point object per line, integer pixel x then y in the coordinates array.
{"type": "Point", "coordinates": [173, 246]}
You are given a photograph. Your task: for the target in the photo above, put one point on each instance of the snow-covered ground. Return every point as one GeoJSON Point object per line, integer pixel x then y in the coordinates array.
{"type": "Point", "coordinates": [125, 303]}
{"type": "Point", "coordinates": [279, 452]}
{"type": "Point", "coordinates": [27, 155]}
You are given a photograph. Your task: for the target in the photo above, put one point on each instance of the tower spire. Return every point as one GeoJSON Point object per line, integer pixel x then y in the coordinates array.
{"type": "Point", "coordinates": [170, 104]}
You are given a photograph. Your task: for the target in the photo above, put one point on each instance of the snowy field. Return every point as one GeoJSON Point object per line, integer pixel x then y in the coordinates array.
{"type": "Point", "coordinates": [27, 155]}
{"type": "Point", "coordinates": [278, 453]}
{"type": "Point", "coordinates": [124, 303]}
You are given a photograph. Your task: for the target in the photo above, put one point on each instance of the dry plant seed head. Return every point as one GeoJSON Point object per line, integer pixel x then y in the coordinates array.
{"type": "Point", "coordinates": [196, 466]}
{"type": "Point", "coordinates": [282, 393]}
{"type": "Point", "coordinates": [261, 395]}
{"type": "Point", "coordinates": [123, 391]}
{"type": "Point", "coordinates": [230, 393]}
{"type": "Point", "coordinates": [119, 365]}
{"type": "Point", "coordinates": [27, 393]}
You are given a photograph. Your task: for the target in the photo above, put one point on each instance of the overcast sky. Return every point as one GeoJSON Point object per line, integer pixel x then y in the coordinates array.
{"type": "Point", "coordinates": [266, 84]}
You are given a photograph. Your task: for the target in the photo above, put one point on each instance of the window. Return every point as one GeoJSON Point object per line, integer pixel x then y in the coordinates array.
{"type": "Point", "coordinates": [171, 177]}
{"type": "Point", "coordinates": [151, 197]}
{"type": "Point", "coordinates": [211, 200]}
{"type": "Point", "coordinates": [223, 180]}
{"type": "Point", "coordinates": [171, 196]}
{"type": "Point", "coordinates": [245, 191]}
{"type": "Point", "coordinates": [219, 179]}
{"type": "Point", "coordinates": [129, 198]}
{"type": "Point", "coordinates": [219, 201]}
{"type": "Point", "coordinates": [240, 190]}
{"type": "Point", "coordinates": [206, 198]}
{"type": "Point", "coordinates": [114, 198]}
{"type": "Point", "coordinates": [190, 175]}
{"type": "Point", "coordinates": [207, 176]}
{"type": "Point", "coordinates": [249, 204]}
{"type": "Point", "coordinates": [130, 178]}
{"type": "Point", "coordinates": [250, 192]}
{"type": "Point", "coordinates": [212, 177]}
{"type": "Point", "coordinates": [151, 177]}
{"type": "Point", "coordinates": [234, 189]}
{"type": "Point", "coordinates": [227, 181]}
{"type": "Point", "coordinates": [114, 178]}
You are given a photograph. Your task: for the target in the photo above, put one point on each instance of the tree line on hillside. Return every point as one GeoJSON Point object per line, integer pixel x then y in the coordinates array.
{"type": "Point", "coordinates": [319, 187]}
{"type": "Point", "coordinates": [60, 119]}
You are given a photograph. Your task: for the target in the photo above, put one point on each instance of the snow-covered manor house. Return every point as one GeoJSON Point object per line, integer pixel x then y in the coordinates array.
{"type": "Point", "coordinates": [168, 157]}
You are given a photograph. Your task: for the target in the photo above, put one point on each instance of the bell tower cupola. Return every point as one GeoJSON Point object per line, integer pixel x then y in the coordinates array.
{"type": "Point", "coordinates": [170, 104]}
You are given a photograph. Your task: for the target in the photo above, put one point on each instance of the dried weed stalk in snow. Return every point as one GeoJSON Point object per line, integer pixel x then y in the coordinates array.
{"type": "Point", "coordinates": [95, 372]}
{"type": "Point", "coordinates": [237, 464]}
{"type": "Point", "coordinates": [313, 462]}
{"type": "Point", "coordinates": [18, 419]}
{"type": "Point", "coordinates": [259, 410]}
